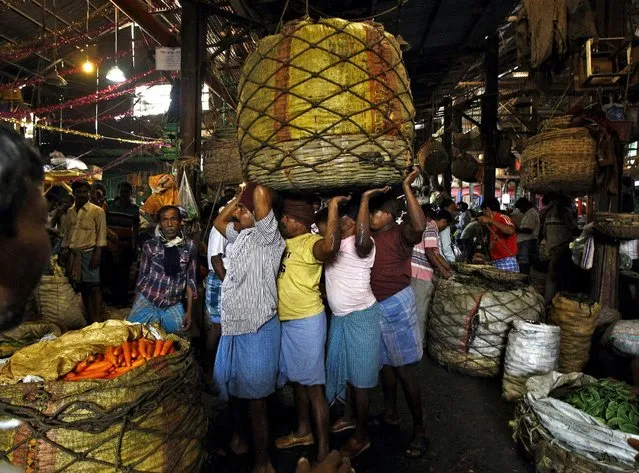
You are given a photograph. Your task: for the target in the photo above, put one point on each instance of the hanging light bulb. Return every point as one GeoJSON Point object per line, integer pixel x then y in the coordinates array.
{"type": "Point", "coordinates": [115, 74]}
{"type": "Point", "coordinates": [88, 67]}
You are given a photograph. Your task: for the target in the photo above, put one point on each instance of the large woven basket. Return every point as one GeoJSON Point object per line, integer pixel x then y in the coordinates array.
{"type": "Point", "coordinates": [559, 160]}
{"type": "Point", "coordinates": [325, 105]}
{"type": "Point", "coordinates": [466, 168]}
{"type": "Point", "coordinates": [432, 157]}
{"type": "Point", "coordinates": [549, 455]}
{"type": "Point", "coordinates": [617, 225]}
{"type": "Point", "coordinates": [221, 160]}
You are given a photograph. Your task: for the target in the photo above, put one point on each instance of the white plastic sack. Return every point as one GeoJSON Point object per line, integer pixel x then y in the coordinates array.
{"type": "Point", "coordinates": [532, 349]}
{"type": "Point", "coordinates": [572, 428]}
{"type": "Point", "coordinates": [624, 336]}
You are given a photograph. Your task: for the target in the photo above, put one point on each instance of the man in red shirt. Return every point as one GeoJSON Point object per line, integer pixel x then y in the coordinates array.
{"type": "Point", "coordinates": [401, 348]}
{"type": "Point", "coordinates": [503, 236]}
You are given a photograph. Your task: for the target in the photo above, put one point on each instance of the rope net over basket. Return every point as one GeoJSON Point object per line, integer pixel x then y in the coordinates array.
{"type": "Point", "coordinates": [150, 419]}
{"type": "Point", "coordinates": [470, 320]}
{"type": "Point", "coordinates": [324, 105]}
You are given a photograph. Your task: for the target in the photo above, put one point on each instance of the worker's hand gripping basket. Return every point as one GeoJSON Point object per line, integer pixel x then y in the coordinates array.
{"type": "Point", "coordinates": [325, 105]}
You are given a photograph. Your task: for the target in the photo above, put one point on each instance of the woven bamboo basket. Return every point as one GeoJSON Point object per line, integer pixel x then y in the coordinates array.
{"type": "Point", "coordinates": [549, 455]}
{"type": "Point", "coordinates": [617, 225]}
{"type": "Point", "coordinates": [466, 168]}
{"type": "Point", "coordinates": [559, 160]}
{"type": "Point", "coordinates": [221, 161]}
{"type": "Point", "coordinates": [432, 157]}
{"type": "Point", "coordinates": [325, 105]}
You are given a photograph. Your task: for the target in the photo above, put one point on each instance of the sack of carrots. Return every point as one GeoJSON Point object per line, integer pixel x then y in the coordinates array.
{"type": "Point", "coordinates": [115, 396]}
{"type": "Point", "coordinates": [118, 360]}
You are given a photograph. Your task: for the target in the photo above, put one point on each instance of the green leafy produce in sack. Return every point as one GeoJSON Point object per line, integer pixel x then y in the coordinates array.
{"type": "Point", "coordinates": [611, 402]}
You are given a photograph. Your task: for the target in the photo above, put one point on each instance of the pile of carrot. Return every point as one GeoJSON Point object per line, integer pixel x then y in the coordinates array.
{"type": "Point", "coordinates": [117, 360]}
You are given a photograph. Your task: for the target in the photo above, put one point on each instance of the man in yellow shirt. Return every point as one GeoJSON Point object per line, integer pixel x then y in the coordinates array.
{"type": "Point", "coordinates": [301, 312]}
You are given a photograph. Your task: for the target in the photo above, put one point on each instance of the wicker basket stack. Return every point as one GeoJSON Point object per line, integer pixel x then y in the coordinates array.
{"type": "Point", "coordinates": [325, 105]}
{"type": "Point", "coordinates": [559, 159]}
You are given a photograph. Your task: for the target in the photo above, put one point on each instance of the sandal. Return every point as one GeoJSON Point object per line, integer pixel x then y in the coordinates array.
{"type": "Point", "coordinates": [342, 424]}
{"type": "Point", "coordinates": [290, 441]}
{"type": "Point", "coordinates": [417, 448]}
{"type": "Point", "coordinates": [353, 448]}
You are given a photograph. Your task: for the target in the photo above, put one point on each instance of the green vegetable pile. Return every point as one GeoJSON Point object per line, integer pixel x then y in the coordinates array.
{"type": "Point", "coordinates": [611, 402]}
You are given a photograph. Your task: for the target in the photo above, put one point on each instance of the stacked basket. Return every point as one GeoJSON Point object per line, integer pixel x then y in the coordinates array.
{"type": "Point", "coordinates": [325, 105]}
{"type": "Point", "coordinates": [559, 159]}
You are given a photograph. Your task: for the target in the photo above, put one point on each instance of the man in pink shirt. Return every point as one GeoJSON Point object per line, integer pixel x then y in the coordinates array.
{"type": "Point", "coordinates": [352, 364]}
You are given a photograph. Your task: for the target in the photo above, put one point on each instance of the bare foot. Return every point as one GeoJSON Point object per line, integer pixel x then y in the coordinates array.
{"type": "Point", "coordinates": [268, 468]}
{"type": "Point", "coordinates": [238, 445]}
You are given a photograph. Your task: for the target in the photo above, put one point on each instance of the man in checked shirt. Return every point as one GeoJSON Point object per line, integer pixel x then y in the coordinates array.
{"type": "Point", "coordinates": [167, 272]}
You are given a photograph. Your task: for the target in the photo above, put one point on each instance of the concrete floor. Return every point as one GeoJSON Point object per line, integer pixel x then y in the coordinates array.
{"type": "Point", "coordinates": [466, 418]}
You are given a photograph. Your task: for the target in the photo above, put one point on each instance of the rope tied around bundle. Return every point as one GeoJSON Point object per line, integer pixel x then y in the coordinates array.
{"type": "Point", "coordinates": [470, 320]}
{"type": "Point", "coordinates": [325, 104]}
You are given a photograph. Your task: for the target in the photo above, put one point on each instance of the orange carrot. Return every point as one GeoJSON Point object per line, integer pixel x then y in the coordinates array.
{"type": "Point", "coordinates": [91, 375]}
{"type": "Point", "coordinates": [166, 348]}
{"type": "Point", "coordinates": [134, 349]}
{"type": "Point", "coordinates": [150, 348]}
{"type": "Point", "coordinates": [117, 350]}
{"type": "Point", "coordinates": [159, 344]}
{"type": "Point", "coordinates": [98, 366]}
{"type": "Point", "coordinates": [80, 367]}
{"type": "Point", "coordinates": [110, 355]}
{"type": "Point", "coordinates": [126, 351]}
{"type": "Point", "coordinates": [90, 359]}
{"type": "Point", "coordinates": [99, 357]}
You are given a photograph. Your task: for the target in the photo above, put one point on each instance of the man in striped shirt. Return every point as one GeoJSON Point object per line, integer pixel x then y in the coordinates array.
{"type": "Point", "coordinates": [247, 359]}
{"type": "Point", "coordinates": [426, 256]}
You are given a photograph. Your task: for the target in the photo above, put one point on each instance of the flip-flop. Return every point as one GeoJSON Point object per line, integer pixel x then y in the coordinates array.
{"type": "Point", "coordinates": [381, 421]}
{"type": "Point", "coordinates": [418, 445]}
{"type": "Point", "coordinates": [290, 441]}
{"type": "Point", "coordinates": [342, 424]}
{"type": "Point", "coordinates": [352, 449]}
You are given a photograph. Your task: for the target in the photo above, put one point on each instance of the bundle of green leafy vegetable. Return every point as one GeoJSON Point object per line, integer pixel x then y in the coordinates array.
{"type": "Point", "coordinates": [611, 402]}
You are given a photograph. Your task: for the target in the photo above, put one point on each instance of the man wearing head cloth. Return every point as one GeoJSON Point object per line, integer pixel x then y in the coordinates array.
{"type": "Point", "coordinates": [354, 339]}
{"type": "Point", "coordinates": [248, 354]}
{"type": "Point", "coordinates": [301, 312]}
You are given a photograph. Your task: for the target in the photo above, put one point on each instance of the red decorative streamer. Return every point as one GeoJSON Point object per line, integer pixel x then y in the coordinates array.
{"type": "Point", "coordinates": [108, 93]}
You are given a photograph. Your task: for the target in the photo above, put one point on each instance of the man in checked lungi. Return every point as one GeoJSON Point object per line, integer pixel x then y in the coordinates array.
{"type": "Point", "coordinates": [352, 364]}
{"type": "Point", "coordinates": [246, 365]}
{"type": "Point", "coordinates": [401, 346]}
{"type": "Point", "coordinates": [301, 312]}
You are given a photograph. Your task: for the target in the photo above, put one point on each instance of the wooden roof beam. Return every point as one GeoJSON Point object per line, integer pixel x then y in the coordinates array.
{"type": "Point", "coordinates": [139, 13]}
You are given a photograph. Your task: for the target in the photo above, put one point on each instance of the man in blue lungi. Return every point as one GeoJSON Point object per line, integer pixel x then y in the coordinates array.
{"type": "Point", "coordinates": [401, 345]}
{"type": "Point", "coordinates": [352, 364]}
{"type": "Point", "coordinates": [301, 312]}
{"type": "Point", "coordinates": [247, 359]}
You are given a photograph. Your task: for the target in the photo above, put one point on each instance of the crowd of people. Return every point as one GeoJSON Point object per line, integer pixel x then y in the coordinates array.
{"type": "Point", "coordinates": [331, 300]}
